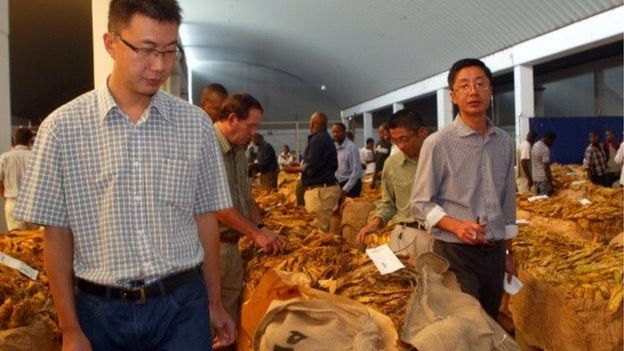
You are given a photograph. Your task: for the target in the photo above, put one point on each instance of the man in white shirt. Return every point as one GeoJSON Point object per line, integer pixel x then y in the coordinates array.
{"type": "Point", "coordinates": [524, 180]}
{"type": "Point", "coordinates": [12, 167]}
{"type": "Point", "coordinates": [367, 156]}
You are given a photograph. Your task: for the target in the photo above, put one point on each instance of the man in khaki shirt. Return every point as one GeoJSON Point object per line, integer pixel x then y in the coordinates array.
{"type": "Point", "coordinates": [237, 121]}
{"type": "Point", "coordinates": [409, 236]}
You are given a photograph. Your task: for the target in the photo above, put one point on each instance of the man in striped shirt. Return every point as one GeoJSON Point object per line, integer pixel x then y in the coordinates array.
{"type": "Point", "coordinates": [595, 161]}
{"type": "Point", "coordinates": [465, 188]}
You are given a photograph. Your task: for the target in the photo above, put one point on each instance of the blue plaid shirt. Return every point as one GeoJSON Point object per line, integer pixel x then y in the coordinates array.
{"type": "Point", "coordinates": [128, 191]}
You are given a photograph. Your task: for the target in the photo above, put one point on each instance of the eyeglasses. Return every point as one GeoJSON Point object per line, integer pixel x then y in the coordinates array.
{"type": "Point", "coordinates": [402, 139]}
{"type": "Point", "coordinates": [146, 53]}
{"type": "Point", "coordinates": [478, 86]}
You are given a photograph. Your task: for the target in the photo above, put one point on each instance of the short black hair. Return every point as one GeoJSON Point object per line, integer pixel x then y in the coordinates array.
{"type": "Point", "coordinates": [23, 136]}
{"type": "Point", "coordinates": [121, 11]}
{"type": "Point", "coordinates": [341, 125]}
{"type": "Point", "coordinates": [467, 62]}
{"type": "Point", "coordinates": [240, 104]}
{"type": "Point", "coordinates": [370, 140]}
{"type": "Point", "coordinates": [407, 119]}
{"type": "Point", "coordinates": [550, 135]}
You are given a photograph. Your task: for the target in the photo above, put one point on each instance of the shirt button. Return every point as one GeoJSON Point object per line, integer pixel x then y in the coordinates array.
{"type": "Point", "coordinates": [139, 232]}
{"type": "Point", "coordinates": [137, 198]}
{"type": "Point", "coordinates": [136, 164]}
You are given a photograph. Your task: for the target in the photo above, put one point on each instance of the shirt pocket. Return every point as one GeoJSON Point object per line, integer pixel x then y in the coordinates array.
{"type": "Point", "coordinates": [176, 183]}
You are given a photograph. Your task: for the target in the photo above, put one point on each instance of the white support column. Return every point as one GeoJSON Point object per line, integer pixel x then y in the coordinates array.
{"type": "Point", "coordinates": [5, 85]}
{"type": "Point", "coordinates": [397, 106]}
{"type": "Point", "coordinates": [102, 62]}
{"type": "Point", "coordinates": [368, 125]}
{"type": "Point", "coordinates": [445, 107]}
{"type": "Point", "coordinates": [524, 100]}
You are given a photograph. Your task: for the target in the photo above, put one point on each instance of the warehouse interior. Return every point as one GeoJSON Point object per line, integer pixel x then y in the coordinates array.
{"type": "Point", "coordinates": [557, 66]}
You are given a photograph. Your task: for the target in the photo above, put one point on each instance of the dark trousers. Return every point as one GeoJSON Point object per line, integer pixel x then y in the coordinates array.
{"type": "Point", "coordinates": [178, 321]}
{"type": "Point", "coordinates": [479, 270]}
{"type": "Point", "coordinates": [356, 190]}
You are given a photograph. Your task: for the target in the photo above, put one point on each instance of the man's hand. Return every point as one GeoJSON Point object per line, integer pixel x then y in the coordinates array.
{"type": "Point", "coordinates": [223, 327]}
{"type": "Point", "coordinates": [510, 267]}
{"type": "Point", "coordinates": [270, 242]}
{"type": "Point", "coordinates": [75, 340]}
{"type": "Point", "coordinates": [374, 224]}
{"type": "Point", "coordinates": [471, 233]}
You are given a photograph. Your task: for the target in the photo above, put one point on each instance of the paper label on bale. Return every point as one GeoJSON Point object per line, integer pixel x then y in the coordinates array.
{"type": "Point", "coordinates": [384, 259]}
{"type": "Point", "coordinates": [537, 197]}
{"type": "Point", "coordinates": [19, 265]}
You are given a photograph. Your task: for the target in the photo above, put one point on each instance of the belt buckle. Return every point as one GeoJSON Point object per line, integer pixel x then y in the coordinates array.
{"type": "Point", "coordinates": [141, 300]}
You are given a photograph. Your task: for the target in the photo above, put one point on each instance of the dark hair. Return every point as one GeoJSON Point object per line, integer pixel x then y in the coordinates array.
{"type": "Point", "coordinates": [370, 140]}
{"type": "Point", "coordinates": [214, 88]}
{"type": "Point", "coordinates": [23, 136]}
{"type": "Point", "coordinates": [550, 135]}
{"type": "Point", "coordinates": [407, 119]}
{"type": "Point", "coordinates": [240, 104]}
{"type": "Point", "coordinates": [463, 63]}
{"type": "Point", "coordinates": [121, 11]}
{"type": "Point", "coordinates": [383, 125]}
{"type": "Point", "coordinates": [341, 125]}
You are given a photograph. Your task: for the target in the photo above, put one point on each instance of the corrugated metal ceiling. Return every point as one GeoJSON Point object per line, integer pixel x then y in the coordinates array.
{"type": "Point", "coordinates": [360, 49]}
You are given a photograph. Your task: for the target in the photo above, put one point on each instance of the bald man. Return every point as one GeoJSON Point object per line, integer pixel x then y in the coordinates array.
{"type": "Point", "coordinates": [212, 98]}
{"type": "Point", "coordinates": [320, 162]}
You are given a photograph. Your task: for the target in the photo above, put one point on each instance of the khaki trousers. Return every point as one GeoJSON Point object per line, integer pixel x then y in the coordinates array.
{"type": "Point", "coordinates": [321, 202]}
{"type": "Point", "coordinates": [12, 223]}
{"type": "Point", "coordinates": [410, 241]}
{"type": "Point", "coordinates": [231, 279]}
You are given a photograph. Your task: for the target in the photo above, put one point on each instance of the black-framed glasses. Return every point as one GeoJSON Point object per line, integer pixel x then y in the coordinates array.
{"type": "Point", "coordinates": [478, 86]}
{"type": "Point", "coordinates": [147, 53]}
{"type": "Point", "coordinates": [402, 139]}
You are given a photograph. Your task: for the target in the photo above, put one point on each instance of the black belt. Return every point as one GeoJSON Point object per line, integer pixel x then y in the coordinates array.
{"type": "Point", "coordinates": [415, 225]}
{"type": "Point", "coordinates": [321, 185]}
{"type": "Point", "coordinates": [140, 294]}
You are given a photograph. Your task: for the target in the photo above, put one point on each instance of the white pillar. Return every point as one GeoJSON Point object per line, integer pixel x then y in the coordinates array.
{"type": "Point", "coordinates": [368, 125]}
{"type": "Point", "coordinates": [445, 107]}
{"type": "Point", "coordinates": [397, 106]}
{"type": "Point", "coordinates": [102, 62]}
{"type": "Point", "coordinates": [5, 83]}
{"type": "Point", "coordinates": [524, 100]}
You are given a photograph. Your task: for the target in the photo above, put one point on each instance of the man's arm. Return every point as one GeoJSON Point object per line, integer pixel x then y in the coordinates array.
{"type": "Point", "coordinates": [270, 242]}
{"type": "Point", "coordinates": [386, 207]}
{"type": "Point", "coordinates": [58, 254]}
{"type": "Point", "coordinates": [356, 169]}
{"type": "Point", "coordinates": [222, 323]}
{"type": "Point", "coordinates": [525, 164]}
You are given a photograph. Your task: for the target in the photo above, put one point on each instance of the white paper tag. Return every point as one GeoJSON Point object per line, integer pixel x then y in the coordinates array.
{"type": "Point", "coordinates": [578, 182]}
{"type": "Point", "coordinates": [537, 197]}
{"type": "Point", "coordinates": [513, 287]}
{"type": "Point", "coordinates": [585, 202]}
{"type": "Point", "coordinates": [384, 259]}
{"type": "Point", "coordinates": [19, 265]}
{"type": "Point", "coordinates": [570, 173]}
{"type": "Point", "coordinates": [522, 221]}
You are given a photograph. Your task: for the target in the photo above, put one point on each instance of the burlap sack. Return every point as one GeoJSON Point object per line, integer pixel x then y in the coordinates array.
{"type": "Point", "coordinates": [318, 321]}
{"type": "Point", "coordinates": [355, 215]}
{"type": "Point", "coordinates": [40, 335]}
{"type": "Point", "coordinates": [547, 319]}
{"type": "Point", "coordinates": [441, 318]}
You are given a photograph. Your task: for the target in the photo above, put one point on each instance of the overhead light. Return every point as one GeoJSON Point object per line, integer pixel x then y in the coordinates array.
{"type": "Point", "coordinates": [323, 87]}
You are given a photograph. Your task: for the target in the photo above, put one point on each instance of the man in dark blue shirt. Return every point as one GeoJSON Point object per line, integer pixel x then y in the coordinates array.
{"type": "Point", "coordinates": [320, 162]}
{"type": "Point", "coordinates": [266, 162]}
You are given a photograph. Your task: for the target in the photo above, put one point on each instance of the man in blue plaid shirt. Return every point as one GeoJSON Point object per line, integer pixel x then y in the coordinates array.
{"type": "Point", "coordinates": [126, 180]}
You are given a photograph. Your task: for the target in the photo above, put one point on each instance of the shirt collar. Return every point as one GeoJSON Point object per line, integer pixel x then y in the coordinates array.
{"type": "Point", "coordinates": [21, 147]}
{"type": "Point", "coordinates": [343, 145]}
{"type": "Point", "coordinates": [107, 104]}
{"type": "Point", "coordinates": [404, 159]}
{"type": "Point", "coordinates": [464, 130]}
{"type": "Point", "coordinates": [223, 142]}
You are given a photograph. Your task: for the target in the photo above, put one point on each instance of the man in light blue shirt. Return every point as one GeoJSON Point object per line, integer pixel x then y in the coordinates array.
{"type": "Point", "coordinates": [349, 169]}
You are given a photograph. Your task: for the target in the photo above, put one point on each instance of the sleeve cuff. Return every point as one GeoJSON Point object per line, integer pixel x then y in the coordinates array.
{"type": "Point", "coordinates": [434, 216]}
{"type": "Point", "coordinates": [511, 230]}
